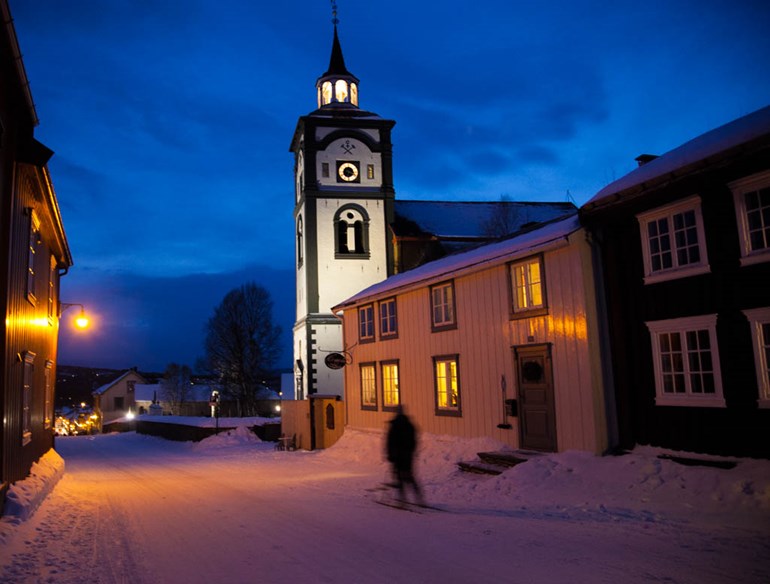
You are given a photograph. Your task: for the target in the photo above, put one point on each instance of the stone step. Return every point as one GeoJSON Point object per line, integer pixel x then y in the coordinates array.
{"type": "Point", "coordinates": [478, 467]}
{"type": "Point", "coordinates": [495, 463]}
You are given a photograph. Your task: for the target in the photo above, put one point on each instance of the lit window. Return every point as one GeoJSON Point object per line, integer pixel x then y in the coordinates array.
{"type": "Point", "coordinates": [326, 92]}
{"type": "Point", "coordinates": [341, 90]}
{"type": "Point", "coordinates": [752, 211]}
{"type": "Point", "coordinates": [673, 242]}
{"type": "Point", "coordinates": [26, 398]}
{"type": "Point", "coordinates": [370, 171]}
{"type": "Point", "coordinates": [442, 304]}
{"type": "Point", "coordinates": [527, 285]}
{"type": "Point", "coordinates": [686, 362]}
{"type": "Point", "coordinates": [447, 385]}
{"type": "Point", "coordinates": [368, 387]}
{"type": "Point", "coordinates": [388, 320]}
{"type": "Point", "coordinates": [366, 323]}
{"type": "Point", "coordinates": [759, 319]}
{"type": "Point", "coordinates": [354, 94]}
{"type": "Point", "coordinates": [390, 389]}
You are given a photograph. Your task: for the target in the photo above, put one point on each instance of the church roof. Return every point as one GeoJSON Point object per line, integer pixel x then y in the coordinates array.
{"type": "Point", "coordinates": [471, 220]}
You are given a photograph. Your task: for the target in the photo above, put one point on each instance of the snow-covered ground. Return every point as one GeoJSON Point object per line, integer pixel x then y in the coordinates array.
{"type": "Point", "coordinates": [230, 509]}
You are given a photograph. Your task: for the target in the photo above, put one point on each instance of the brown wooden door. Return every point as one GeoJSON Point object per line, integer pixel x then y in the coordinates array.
{"type": "Point", "coordinates": [537, 420]}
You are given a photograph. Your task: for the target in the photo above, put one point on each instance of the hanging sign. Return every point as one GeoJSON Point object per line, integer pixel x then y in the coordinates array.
{"type": "Point", "coordinates": [335, 360]}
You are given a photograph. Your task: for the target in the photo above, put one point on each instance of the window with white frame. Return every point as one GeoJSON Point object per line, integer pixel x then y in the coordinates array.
{"type": "Point", "coordinates": [26, 398]}
{"type": "Point", "coordinates": [673, 241]}
{"type": "Point", "coordinates": [366, 323]}
{"type": "Point", "coordinates": [48, 410]}
{"type": "Point", "coordinates": [759, 319]}
{"type": "Point", "coordinates": [368, 387]}
{"type": "Point", "coordinates": [388, 320]}
{"type": "Point", "coordinates": [528, 286]}
{"type": "Point", "coordinates": [442, 305]}
{"type": "Point", "coordinates": [447, 385]}
{"type": "Point", "coordinates": [34, 243]}
{"type": "Point", "coordinates": [391, 392]}
{"type": "Point", "coordinates": [752, 212]}
{"type": "Point", "coordinates": [686, 362]}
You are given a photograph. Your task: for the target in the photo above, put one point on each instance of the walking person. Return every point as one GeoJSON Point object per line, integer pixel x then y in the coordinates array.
{"type": "Point", "coordinates": [401, 446]}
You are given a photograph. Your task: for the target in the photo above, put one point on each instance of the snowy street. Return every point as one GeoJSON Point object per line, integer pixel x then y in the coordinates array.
{"type": "Point", "coordinates": [133, 508]}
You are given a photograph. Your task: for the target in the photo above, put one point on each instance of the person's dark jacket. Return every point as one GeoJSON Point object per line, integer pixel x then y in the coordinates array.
{"type": "Point", "coordinates": [401, 442]}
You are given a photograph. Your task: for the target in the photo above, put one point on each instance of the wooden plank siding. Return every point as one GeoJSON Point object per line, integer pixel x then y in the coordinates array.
{"type": "Point", "coordinates": [483, 340]}
{"type": "Point", "coordinates": [31, 323]}
{"type": "Point", "coordinates": [728, 287]}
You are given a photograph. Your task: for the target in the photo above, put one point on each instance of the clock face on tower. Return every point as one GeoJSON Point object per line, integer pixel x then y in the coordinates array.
{"type": "Point", "coordinates": [348, 171]}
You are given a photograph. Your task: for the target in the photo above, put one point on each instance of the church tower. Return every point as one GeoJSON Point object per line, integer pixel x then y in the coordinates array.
{"type": "Point", "coordinates": [342, 208]}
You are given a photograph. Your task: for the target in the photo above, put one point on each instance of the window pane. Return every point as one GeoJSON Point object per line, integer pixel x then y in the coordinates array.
{"type": "Point", "coordinates": [390, 389]}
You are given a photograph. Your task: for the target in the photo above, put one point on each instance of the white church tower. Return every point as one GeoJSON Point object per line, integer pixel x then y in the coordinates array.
{"type": "Point", "coordinates": [343, 205]}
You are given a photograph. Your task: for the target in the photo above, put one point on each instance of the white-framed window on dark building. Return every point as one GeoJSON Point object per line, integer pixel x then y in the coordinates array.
{"type": "Point", "coordinates": [442, 306]}
{"type": "Point", "coordinates": [366, 323]}
{"type": "Point", "coordinates": [28, 379]}
{"type": "Point", "coordinates": [446, 381]}
{"type": "Point", "coordinates": [686, 362]}
{"type": "Point", "coordinates": [673, 241]}
{"type": "Point", "coordinates": [527, 279]}
{"type": "Point", "coordinates": [388, 319]}
{"type": "Point", "coordinates": [751, 196]}
{"type": "Point", "coordinates": [759, 320]}
{"type": "Point", "coordinates": [368, 386]}
{"type": "Point", "coordinates": [48, 410]}
{"type": "Point", "coordinates": [34, 245]}
{"type": "Point", "coordinates": [351, 232]}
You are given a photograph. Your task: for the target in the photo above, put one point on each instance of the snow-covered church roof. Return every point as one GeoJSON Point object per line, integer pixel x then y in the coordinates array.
{"type": "Point", "coordinates": [685, 157]}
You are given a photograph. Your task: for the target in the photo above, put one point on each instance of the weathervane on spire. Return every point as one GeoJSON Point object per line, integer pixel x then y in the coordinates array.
{"type": "Point", "coordinates": [335, 20]}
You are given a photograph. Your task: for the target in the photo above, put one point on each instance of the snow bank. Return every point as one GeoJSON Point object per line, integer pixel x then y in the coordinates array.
{"type": "Point", "coordinates": [236, 438]}
{"type": "Point", "coordinates": [575, 484]}
{"type": "Point", "coordinates": [25, 496]}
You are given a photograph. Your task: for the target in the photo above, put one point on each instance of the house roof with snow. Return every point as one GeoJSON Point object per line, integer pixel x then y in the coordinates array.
{"type": "Point", "coordinates": [471, 220]}
{"type": "Point", "coordinates": [689, 157]}
{"type": "Point", "coordinates": [102, 389]}
{"type": "Point", "coordinates": [550, 235]}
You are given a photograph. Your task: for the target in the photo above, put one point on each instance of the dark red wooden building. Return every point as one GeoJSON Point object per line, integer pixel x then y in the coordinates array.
{"type": "Point", "coordinates": [684, 245]}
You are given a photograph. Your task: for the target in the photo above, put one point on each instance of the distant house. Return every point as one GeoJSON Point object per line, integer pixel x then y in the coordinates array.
{"type": "Point", "coordinates": [684, 241]}
{"type": "Point", "coordinates": [117, 398]}
{"type": "Point", "coordinates": [495, 341]}
{"type": "Point", "coordinates": [34, 254]}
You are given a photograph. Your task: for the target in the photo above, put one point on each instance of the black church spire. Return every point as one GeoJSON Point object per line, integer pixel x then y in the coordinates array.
{"type": "Point", "coordinates": [338, 87]}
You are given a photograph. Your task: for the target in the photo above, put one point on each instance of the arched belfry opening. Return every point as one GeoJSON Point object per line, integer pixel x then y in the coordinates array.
{"type": "Point", "coordinates": [351, 232]}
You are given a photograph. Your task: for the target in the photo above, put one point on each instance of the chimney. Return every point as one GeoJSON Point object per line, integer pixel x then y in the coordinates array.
{"type": "Point", "coordinates": [643, 159]}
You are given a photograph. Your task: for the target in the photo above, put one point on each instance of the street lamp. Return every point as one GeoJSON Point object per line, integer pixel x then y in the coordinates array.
{"type": "Point", "coordinates": [81, 321]}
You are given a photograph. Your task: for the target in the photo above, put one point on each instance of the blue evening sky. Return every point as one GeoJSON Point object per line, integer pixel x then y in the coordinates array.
{"type": "Point", "coordinates": [171, 123]}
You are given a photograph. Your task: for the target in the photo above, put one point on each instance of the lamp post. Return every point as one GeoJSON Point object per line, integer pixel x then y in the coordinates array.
{"type": "Point", "coordinates": [81, 321]}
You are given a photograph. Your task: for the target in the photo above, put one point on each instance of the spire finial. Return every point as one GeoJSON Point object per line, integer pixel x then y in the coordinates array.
{"type": "Point", "coordinates": [335, 20]}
